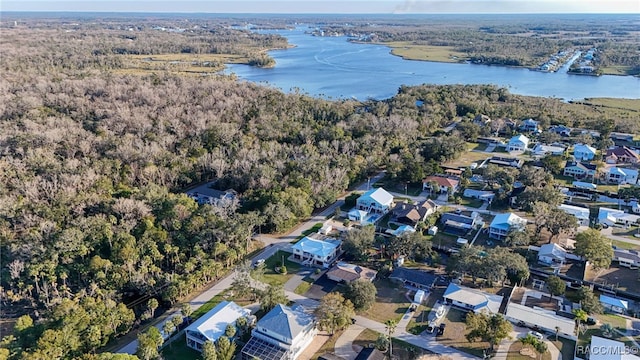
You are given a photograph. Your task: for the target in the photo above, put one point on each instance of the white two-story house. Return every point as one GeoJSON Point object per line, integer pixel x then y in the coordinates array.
{"type": "Point", "coordinates": [503, 223]}
{"type": "Point", "coordinates": [282, 334]}
{"type": "Point", "coordinates": [375, 201]}
{"type": "Point", "coordinates": [518, 143]}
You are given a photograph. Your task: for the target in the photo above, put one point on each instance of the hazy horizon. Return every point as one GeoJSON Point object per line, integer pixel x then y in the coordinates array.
{"type": "Point", "coordinates": [330, 6]}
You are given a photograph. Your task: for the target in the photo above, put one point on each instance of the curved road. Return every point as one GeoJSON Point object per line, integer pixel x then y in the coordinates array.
{"type": "Point", "coordinates": [272, 245]}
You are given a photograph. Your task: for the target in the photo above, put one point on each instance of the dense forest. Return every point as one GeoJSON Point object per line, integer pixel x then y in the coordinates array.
{"type": "Point", "coordinates": [93, 221]}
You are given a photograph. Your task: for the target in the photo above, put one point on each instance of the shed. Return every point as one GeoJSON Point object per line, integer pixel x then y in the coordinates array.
{"type": "Point", "coordinates": [419, 296]}
{"type": "Point", "coordinates": [432, 230]}
{"type": "Point", "coordinates": [462, 241]}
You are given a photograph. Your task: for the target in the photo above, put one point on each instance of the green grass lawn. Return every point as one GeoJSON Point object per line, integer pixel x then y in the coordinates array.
{"type": "Point", "coordinates": [271, 277]}
{"type": "Point", "coordinates": [314, 229]}
{"type": "Point", "coordinates": [624, 245]}
{"type": "Point", "coordinates": [442, 239]}
{"type": "Point", "coordinates": [304, 286]}
{"type": "Point", "coordinates": [178, 350]}
{"type": "Point", "coordinates": [616, 321]}
{"type": "Point", "coordinates": [470, 202]}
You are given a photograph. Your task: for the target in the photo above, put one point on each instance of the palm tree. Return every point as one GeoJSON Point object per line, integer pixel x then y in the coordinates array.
{"type": "Point", "coordinates": [581, 316]}
{"type": "Point", "coordinates": [391, 328]}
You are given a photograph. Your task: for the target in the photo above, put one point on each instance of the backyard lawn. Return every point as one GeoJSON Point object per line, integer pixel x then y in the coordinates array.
{"type": "Point", "coordinates": [271, 277]}
{"type": "Point", "coordinates": [391, 302]}
{"type": "Point", "coordinates": [178, 350]}
{"type": "Point", "coordinates": [470, 202]}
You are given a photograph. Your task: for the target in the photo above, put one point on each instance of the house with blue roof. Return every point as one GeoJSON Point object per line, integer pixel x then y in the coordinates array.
{"type": "Point", "coordinates": [317, 252]}
{"type": "Point", "coordinates": [614, 304]}
{"type": "Point", "coordinates": [503, 223]}
{"type": "Point", "coordinates": [375, 201]}
{"type": "Point", "coordinates": [282, 334]}
{"type": "Point", "coordinates": [212, 325]}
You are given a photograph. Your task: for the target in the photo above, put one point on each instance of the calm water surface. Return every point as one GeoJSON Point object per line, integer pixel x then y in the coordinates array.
{"type": "Point", "coordinates": [331, 67]}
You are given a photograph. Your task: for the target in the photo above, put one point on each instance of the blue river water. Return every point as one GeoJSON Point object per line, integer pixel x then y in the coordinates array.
{"type": "Point", "coordinates": [332, 67]}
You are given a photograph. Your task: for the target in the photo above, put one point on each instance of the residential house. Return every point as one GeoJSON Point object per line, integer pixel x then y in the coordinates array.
{"type": "Point", "coordinates": [518, 143]}
{"type": "Point", "coordinates": [621, 155]}
{"type": "Point", "coordinates": [317, 252]}
{"type": "Point", "coordinates": [579, 170]}
{"type": "Point", "coordinates": [473, 300]}
{"type": "Point", "coordinates": [414, 278]}
{"type": "Point", "coordinates": [357, 215]}
{"type": "Point", "coordinates": [583, 152]}
{"type": "Point", "coordinates": [506, 161]}
{"type": "Point", "coordinates": [582, 214]}
{"type": "Point", "coordinates": [560, 130]}
{"type": "Point", "coordinates": [213, 324]}
{"type": "Point", "coordinates": [459, 224]}
{"type": "Point", "coordinates": [543, 150]}
{"type": "Point", "coordinates": [617, 175]}
{"type": "Point", "coordinates": [607, 349]}
{"type": "Point", "coordinates": [282, 334]}
{"type": "Point", "coordinates": [626, 258]}
{"type": "Point", "coordinates": [618, 136]}
{"type": "Point", "coordinates": [584, 185]}
{"type": "Point", "coordinates": [446, 184]}
{"type": "Point", "coordinates": [546, 320]}
{"type": "Point", "coordinates": [612, 217]}
{"type": "Point", "coordinates": [412, 214]}
{"type": "Point", "coordinates": [481, 120]}
{"type": "Point", "coordinates": [615, 305]}
{"type": "Point", "coordinates": [503, 223]}
{"type": "Point", "coordinates": [206, 194]}
{"type": "Point", "coordinates": [529, 125]}
{"type": "Point", "coordinates": [552, 254]}
{"type": "Point", "coordinates": [375, 201]}
{"type": "Point", "coordinates": [479, 194]}
{"type": "Point", "coordinates": [348, 273]}
{"type": "Point", "coordinates": [402, 229]}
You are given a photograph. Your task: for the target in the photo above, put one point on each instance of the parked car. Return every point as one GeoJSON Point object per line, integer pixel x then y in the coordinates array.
{"type": "Point", "coordinates": [258, 262]}
{"type": "Point", "coordinates": [536, 335]}
{"type": "Point", "coordinates": [441, 329]}
{"type": "Point", "coordinates": [591, 321]}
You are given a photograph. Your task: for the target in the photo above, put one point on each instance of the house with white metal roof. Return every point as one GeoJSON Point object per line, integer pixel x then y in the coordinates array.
{"type": "Point", "coordinates": [282, 334]}
{"type": "Point", "coordinates": [471, 299]}
{"type": "Point", "coordinates": [607, 349]}
{"type": "Point", "coordinates": [377, 201]}
{"type": "Point", "coordinates": [544, 319]}
{"type": "Point", "coordinates": [317, 252]}
{"type": "Point", "coordinates": [212, 325]}
{"type": "Point", "coordinates": [552, 254]}
{"type": "Point", "coordinates": [581, 214]}
{"type": "Point", "coordinates": [583, 152]}
{"type": "Point", "coordinates": [518, 143]}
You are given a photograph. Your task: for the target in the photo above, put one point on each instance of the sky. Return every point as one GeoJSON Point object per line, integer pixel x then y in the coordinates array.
{"type": "Point", "coordinates": [330, 6]}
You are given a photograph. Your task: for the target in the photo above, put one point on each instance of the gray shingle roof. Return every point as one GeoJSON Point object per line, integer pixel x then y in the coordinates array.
{"type": "Point", "coordinates": [286, 321]}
